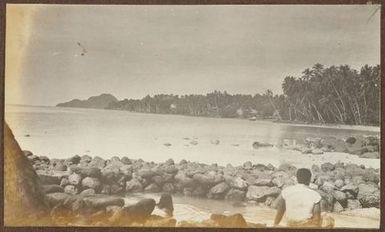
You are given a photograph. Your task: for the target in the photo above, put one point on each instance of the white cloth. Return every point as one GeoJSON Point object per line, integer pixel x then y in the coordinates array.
{"type": "Point", "coordinates": [300, 200]}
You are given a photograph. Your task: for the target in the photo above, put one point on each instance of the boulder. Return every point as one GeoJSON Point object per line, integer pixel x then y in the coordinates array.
{"type": "Point", "coordinates": [152, 188]}
{"type": "Point", "coordinates": [91, 182]}
{"type": "Point", "coordinates": [237, 183]}
{"type": "Point", "coordinates": [257, 145]}
{"type": "Point", "coordinates": [134, 185]}
{"type": "Point", "coordinates": [49, 179]}
{"type": "Point", "coordinates": [146, 173]}
{"type": "Point", "coordinates": [353, 204]}
{"type": "Point", "coordinates": [87, 171]}
{"type": "Point", "coordinates": [88, 192]}
{"type": "Point", "coordinates": [248, 165]}
{"type": "Point", "coordinates": [340, 197]}
{"type": "Point", "coordinates": [60, 167]}
{"type": "Point", "coordinates": [53, 188]}
{"type": "Point", "coordinates": [218, 191]}
{"type": "Point", "coordinates": [74, 179]}
{"type": "Point", "coordinates": [54, 199]}
{"type": "Point", "coordinates": [337, 207]}
{"type": "Point", "coordinates": [339, 183]}
{"type": "Point", "coordinates": [102, 201]}
{"type": "Point", "coordinates": [235, 195]}
{"type": "Point", "coordinates": [208, 179]}
{"type": "Point", "coordinates": [97, 162]}
{"type": "Point", "coordinates": [371, 155]}
{"type": "Point", "coordinates": [259, 193]}
{"type": "Point", "coordinates": [73, 160]}
{"type": "Point", "coordinates": [125, 160]}
{"type": "Point", "coordinates": [326, 167]}
{"type": "Point", "coordinates": [369, 195]}
{"type": "Point", "coordinates": [231, 221]}
{"type": "Point", "coordinates": [267, 181]}
{"type": "Point", "coordinates": [158, 180]}
{"type": "Point", "coordinates": [71, 189]}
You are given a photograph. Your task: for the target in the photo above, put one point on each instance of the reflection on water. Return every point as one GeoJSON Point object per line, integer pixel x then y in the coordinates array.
{"type": "Point", "coordinates": [62, 132]}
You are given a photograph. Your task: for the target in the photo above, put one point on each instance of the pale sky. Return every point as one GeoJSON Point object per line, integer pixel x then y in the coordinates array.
{"type": "Point", "coordinates": [133, 51]}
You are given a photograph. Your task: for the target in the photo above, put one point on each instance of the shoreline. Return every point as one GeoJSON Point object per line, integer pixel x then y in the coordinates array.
{"type": "Point", "coordinates": [368, 128]}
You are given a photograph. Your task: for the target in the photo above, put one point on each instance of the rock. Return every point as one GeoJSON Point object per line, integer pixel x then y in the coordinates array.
{"type": "Point", "coordinates": [105, 189]}
{"type": "Point", "coordinates": [328, 187]}
{"type": "Point", "coordinates": [350, 140]}
{"type": "Point", "coordinates": [215, 142]}
{"type": "Point", "coordinates": [27, 153]}
{"type": "Point", "coordinates": [337, 207]}
{"type": "Point", "coordinates": [125, 160]}
{"type": "Point", "coordinates": [158, 180]}
{"type": "Point", "coordinates": [91, 182]}
{"type": "Point", "coordinates": [140, 211]}
{"type": "Point", "coordinates": [52, 188]}
{"type": "Point", "coordinates": [325, 167]}
{"type": "Point", "coordinates": [146, 173]}
{"type": "Point", "coordinates": [71, 189]}
{"type": "Point", "coordinates": [257, 145]}
{"type": "Point", "coordinates": [102, 201]}
{"type": "Point", "coordinates": [369, 195]}
{"type": "Point", "coordinates": [64, 181]}
{"type": "Point", "coordinates": [169, 162]}
{"type": "Point", "coordinates": [237, 183]}
{"type": "Point", "coordinates": [54, 199]}
{"type": "Point", "coordinates": [60, 167]}
{"type": "Point", "coordinates": [218, 191]}
{"type": "Point", "coordinates": [193, 142]}
{"type": "Point", "coordinates": [134, 185]}
{"type": "Point", "coordinates": [248, 165]}
{"type": "Point", "coordinates": [340, 197]}
{"type": "Point", "coordinates": [317, 151]}
{"type": "Point", "coordinates": [88, 192]}
{"type": "Point", "coordinates": [74, 159]}
{"type": "Point", "coordinates": [353, 204]}
{"type": "Point", "coordinates": [259, 193]}
{"type": "Point", "coordinates": [231, 221]}
{"type": "Point", "coordinates": [351, 188]}
{"type": "Point", "coordinates": [126, 170]}
{"type": "Point", "coordinates": [288, 169]}
{"type": "Point", "coordinates": [266, 182]}
{"type": "Point", "coordinates": [49, 179]}
{"type": "Point", "coordinates": [235, 195]}
{"type": "Point", "coordinates": [97, 162]}
{"type": "Point", "coordinates": [339, 183]}
{"type": "Point", "coordinates": [87, 171]}
{"type": "Point", "coordinates": [74, 179]}
{"type": "Point", "coordinates": [167, 144]}
{"type": "Point", "coordinates": [168, 188]}
{"type": "Point", "coordinates": [208, 179]}
{"type": "Point", "coordinates": [371, 155]}
{"type": "Point", "coordinates": [153, 188]}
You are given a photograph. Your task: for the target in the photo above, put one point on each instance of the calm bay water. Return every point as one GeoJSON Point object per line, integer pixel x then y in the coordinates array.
{"type": "Point", "coordinates": [64, 132]}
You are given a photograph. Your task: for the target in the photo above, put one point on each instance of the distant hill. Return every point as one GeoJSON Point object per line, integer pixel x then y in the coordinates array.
{"type": "Point", "coordinates": [97, 102]}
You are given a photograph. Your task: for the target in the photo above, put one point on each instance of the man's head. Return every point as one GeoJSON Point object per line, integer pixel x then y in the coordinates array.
{"type": "Point", "coordinates": [303, 176]}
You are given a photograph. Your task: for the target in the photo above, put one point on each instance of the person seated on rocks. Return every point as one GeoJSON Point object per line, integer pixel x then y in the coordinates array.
{"type": "Point", "coordinates": [299, 203]}
{"type": "Point", "coordinates": [165, 207]}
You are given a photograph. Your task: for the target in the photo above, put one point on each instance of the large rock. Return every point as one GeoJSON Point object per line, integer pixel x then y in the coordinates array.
{"type": "Point", "coordinates": [369, 195]}
{"type": "Point", "coordinates": [91, 182]}
{"type": "Point", "coordinates": [208, 179]}
{"type": "Point", "coordinates": [259, 193]}
{"type": "Point", "coordinates": [97, 162]}
{"type": "Point", "coordinates": [218, 191]}
{"type": "Point", "coordinates": [152, 188]}
{"type": "Point", "coordinates": [54, 188]}
{"type": "Point", "coordinates": [237, 183]}
{"type": "Point", "coordinates": [49, 179]}
{"type": "Point", "coordinates": [24, 199]}
{"type": "Point", "coordinates": [71, 189]}
{"type": "Point", "coordinates": [183, 179]}
{"type": "Point", "coordinates": [87, 171]}
{"type": "Point", "coordinates": [353, 204]}
{"type": "Point", "coordinates": [74, 179]}
{"type": "Point", "coordinates": [134, 185]}
{"type": "Point", "coordinates": [54, 199]}
{"type": "Point", "coordinates": [168, 188]}
{"type": "Point", "coordinates": [325, 167]}
{"type": "Point", "coordinates": [102, 201]}
{"type": "Point", "coordinates": [231, 221]}
{"type": "Point", "coordinates": [235, 195]}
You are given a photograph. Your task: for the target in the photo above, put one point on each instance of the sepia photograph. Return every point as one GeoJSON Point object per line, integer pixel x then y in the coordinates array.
{"type": "Point", "coordinates": [212, 116]}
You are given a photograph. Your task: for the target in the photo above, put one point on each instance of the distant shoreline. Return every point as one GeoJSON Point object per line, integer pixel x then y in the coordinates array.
{"type": "Point", "coordinates": [288, 123]}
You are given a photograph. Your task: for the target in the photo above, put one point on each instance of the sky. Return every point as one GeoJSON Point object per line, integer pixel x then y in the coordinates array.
{"type": "Point", "coordinates": [131, 51]}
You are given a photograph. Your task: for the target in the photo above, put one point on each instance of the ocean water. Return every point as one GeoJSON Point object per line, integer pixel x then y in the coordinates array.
{"type": "Point", "coordinates": [63, 132]}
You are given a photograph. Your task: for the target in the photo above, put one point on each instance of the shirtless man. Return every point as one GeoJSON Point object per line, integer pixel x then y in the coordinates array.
{"type": "Point", "coordinates": [299, 203]}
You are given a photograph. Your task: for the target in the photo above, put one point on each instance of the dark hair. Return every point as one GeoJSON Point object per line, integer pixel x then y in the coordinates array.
{"type": "Point", "coordinates": [165, 202]}
{"type": "Point", "coordinates": [303, 176]}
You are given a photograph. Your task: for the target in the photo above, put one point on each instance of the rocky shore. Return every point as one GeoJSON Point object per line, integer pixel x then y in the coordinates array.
{"type": "Point", "coordinates": [99, 185]}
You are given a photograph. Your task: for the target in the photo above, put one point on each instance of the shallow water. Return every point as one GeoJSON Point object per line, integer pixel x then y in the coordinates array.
{"type": "Point", "coordinates": [190, 208]}
{"type": "Point", "coordinates": [63, 132]}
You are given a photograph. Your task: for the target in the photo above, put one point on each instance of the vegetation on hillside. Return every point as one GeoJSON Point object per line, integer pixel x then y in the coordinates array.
{"type": "Point", "coordinates": [337, 94]}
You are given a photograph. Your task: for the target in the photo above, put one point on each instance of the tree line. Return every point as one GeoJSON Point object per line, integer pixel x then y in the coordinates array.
{"type": "Point", "coordinates": [337, 94]}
